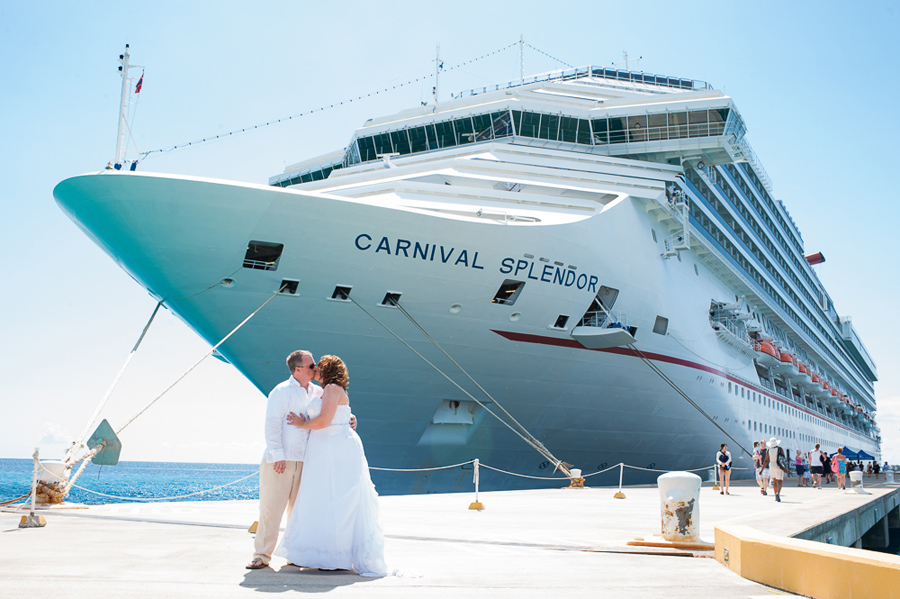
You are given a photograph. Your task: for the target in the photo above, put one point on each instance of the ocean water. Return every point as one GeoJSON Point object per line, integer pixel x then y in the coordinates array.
{"type": "Point", "coordinates": [141, 481]}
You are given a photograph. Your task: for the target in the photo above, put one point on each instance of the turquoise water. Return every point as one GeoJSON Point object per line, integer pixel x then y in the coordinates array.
{"type": "Point", "coordinates": [141, 481]}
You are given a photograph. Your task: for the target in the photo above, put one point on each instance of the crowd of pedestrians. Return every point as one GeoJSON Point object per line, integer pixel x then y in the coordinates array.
{"type": "Point", "coordinates": [815, 467]}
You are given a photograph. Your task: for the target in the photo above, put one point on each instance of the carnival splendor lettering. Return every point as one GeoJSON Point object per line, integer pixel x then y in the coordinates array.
{"type": "Point", "coordinates": [431, 252]}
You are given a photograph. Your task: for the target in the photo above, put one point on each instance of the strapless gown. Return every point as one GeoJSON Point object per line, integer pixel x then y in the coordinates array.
{"type": "Point", "coordinates": [335, 520]}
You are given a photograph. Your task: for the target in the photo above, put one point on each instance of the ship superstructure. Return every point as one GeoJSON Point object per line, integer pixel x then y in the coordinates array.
{"type": "Point", "coordinates": [557, 236]}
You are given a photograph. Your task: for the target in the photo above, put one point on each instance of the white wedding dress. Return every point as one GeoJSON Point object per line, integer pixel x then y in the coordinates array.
{"type": "Point", "coordinates": [335, 521]}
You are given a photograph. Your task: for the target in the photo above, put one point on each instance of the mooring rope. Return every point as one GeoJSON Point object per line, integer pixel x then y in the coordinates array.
{"type": "Point", "coordinates": [533, 439]}
{"type": "Point", "coordinates": [208, 354]}
{"type": "Point", "coordinates": [80, 440]}
{"type": "Point", "coordinates": [540, 448]}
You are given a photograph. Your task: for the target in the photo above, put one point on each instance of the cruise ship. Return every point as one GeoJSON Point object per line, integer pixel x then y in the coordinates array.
{"type": "Point", "coordinates": [574, 270]}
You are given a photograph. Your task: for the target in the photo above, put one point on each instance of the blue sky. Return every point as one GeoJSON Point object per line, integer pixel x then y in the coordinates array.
{"type": "Point", "coordinates": [815, 83]}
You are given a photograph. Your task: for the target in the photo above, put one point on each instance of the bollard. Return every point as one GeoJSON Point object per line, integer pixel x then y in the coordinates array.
{"type": "Point", "coordinates": [679, 503]}
{"type": "Point", "coordinates": [619, 494]}
{"type": "Point", "coordinates": [576, 482]}
{"type": "Point", "coordinates": [856, 483]}
{"type": "Point", "coordinates": [888, 476]}
{"type": "Point", "coordinates": [475, 505]}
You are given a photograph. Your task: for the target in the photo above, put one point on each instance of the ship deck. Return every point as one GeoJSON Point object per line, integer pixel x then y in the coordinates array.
{"type": "Point", "coordinates": [538, 543]}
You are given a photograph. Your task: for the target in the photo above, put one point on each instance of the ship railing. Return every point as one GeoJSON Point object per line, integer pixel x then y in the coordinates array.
{"type": "Point", "coordinates": [733, 325]}
{"type": "Point", "coordinates": [603, 319]}
{"type": "Point", "coordinates": [596, 72]}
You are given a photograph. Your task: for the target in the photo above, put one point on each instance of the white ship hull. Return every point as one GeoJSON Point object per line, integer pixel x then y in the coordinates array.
{"type": "Point", "coordinates": [181, 237]}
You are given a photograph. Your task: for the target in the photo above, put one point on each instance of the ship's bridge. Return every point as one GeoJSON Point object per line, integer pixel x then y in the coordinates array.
{"type": "Point", "coordinates": [592, 109]}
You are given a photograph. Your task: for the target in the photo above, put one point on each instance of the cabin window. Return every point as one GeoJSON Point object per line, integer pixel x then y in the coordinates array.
{"type": "Point", "coordinates": [561, 321]}
{"type": "Point", "coordinates": [509, 292]}
{"type": "Point", "coordinates": [263, 255]}
{"type": "Point", "coordinates": [661, 325]}
{"type": "Point", "coordinates": [289, 287]}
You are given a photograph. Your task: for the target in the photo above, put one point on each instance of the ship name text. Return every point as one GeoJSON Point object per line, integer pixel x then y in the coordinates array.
{"type": "Point", "coordinates": [422, 251]}
{"type": "Point", "coordinates": [549, 274]}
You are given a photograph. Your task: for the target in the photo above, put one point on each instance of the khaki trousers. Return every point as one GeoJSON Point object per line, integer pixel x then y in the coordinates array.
{"type": "Point", "coordinates": [276, 492]}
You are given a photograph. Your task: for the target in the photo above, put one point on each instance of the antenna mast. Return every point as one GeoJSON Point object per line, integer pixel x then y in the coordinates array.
{"type": "Point", "coordinates": [437, 72]}
{"type": "Point", "coordinates": [121, 143]}
{"type": "Point", "coordinates": [521, 59]}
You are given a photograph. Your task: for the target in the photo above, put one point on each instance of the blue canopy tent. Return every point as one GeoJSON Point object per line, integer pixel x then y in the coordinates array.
{"type": "Point", "coordinates": [862, 455]}
{"type": "Point", "coordinates": [851, 455]}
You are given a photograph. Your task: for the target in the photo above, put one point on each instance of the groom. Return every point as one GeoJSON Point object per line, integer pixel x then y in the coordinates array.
{"type": "Point", "coordinates": [282, 465]}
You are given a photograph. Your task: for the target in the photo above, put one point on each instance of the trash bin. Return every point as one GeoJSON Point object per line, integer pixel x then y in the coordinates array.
{"type": "Point", "coordinates": [679, 504]}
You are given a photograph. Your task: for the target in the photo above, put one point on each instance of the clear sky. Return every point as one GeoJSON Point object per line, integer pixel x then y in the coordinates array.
{"type": "Point", "coordinates": [816, 83]}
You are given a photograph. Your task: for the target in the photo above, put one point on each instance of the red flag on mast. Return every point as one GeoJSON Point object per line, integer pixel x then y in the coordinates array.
{"type": "Point", "coordinates": [140, 83]}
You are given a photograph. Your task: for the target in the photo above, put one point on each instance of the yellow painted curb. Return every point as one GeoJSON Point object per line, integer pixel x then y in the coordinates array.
{"type": "Point", "coordinates": [808, 567]}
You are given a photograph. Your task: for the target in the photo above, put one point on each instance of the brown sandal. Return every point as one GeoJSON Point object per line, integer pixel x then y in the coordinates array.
{"type": "Point", "coordinates": [256, 564]}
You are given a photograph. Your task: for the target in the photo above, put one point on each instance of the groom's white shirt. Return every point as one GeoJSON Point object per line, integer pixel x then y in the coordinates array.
{"type": "Point", "coordinates": [284, 441]}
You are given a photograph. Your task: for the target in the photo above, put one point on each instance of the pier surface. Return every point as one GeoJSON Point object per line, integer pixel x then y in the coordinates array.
{"type": "Point", "coordinates": [540, 543]}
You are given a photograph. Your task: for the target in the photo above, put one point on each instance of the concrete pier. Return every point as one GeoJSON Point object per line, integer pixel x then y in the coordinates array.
{"type": "Point", "coordinates": [541, 543]}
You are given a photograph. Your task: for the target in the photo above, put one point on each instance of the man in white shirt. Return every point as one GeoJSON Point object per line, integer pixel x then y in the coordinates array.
{"type": "Point", "coordinates": [282, 464]}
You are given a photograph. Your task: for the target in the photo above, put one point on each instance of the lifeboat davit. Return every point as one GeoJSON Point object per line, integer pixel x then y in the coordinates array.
{"type": "Point", "coordinates": [766, 354]}
{"type": "Point", "coordinates": [804, 378]}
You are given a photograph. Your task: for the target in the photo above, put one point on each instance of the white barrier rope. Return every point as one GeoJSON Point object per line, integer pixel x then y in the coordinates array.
{"type": "Point", "coordinates": [422, 469]}
{"type": "Point", "coordinates": [74, 486]}
{"type": "Point", "coordinates": [434, 468]}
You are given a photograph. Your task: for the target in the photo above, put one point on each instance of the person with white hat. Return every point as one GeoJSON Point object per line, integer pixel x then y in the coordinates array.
{"type": "Point", "coordinates": [776, 466]}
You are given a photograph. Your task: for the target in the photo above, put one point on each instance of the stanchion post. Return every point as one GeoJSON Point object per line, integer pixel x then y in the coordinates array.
{"type": "Point", "coordinates": [619, 494]}
{"type": "Point", "coordinates": [476, 505]}
{"type": "Point", "coordinates": [716, 478]}
{"type": "Point", "coordinates": [32, 521]}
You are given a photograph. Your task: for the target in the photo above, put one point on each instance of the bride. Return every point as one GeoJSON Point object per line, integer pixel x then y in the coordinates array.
{"type": "Point", "coordinates": [334, 523]}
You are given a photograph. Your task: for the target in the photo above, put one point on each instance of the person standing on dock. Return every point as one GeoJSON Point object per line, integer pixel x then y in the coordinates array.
{"type": "Point", "coordinates": [762, 472]}
{"type": "Point", "coordinates": [815, 466]}
{"type": "Point", "coordinates": [723, 459]}
{"type": "Point", "coordinates": [839, 466]}
{"type": "Point", "coordinates": [776, 463]}
{"type": "Point", "coordinates": [282, 465]}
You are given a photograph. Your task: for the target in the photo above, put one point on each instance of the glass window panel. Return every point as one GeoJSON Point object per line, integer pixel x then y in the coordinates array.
{"type": "Point", "coordinates": [617, 130]}
{"type": "Point", "coordinates": [366, 149]}
{"type": "Point", "coordinates": [677, 125]}
{"type": "Point", "coordinates": [445, 136]}
{"type": "Point", "coordinates": [717, 118]}
{"type": "Point", "coordinates": [401, 142]}
{"type": "Point", "coordinates": [432, 137]}
{"type": "Point", "coordinates": [601, 135]}
{"type": "Point", "coordinates": [584, 132]}
{"type": "Point", "coordinates": [502, 124]}
{"type": "Point", "coordinates": [637, 128]}
{"type": "Point", "coordinates": [383, 143]}
{"type": "Point", "coordinates": [483, 124]}
{"type": "Point", "coordinates": [530, 122]}
{"type": "Point", "coordinates": [517, 121]}
{"type": "Point", "coordinates": [465, 132]}
{"type": "Point", "coordinates": [656, 126]}
{"type": "Point", "coordinates": [417, 139]}
{"type": "Point", "coordinates": [549, 127]}
{"type": "Point", "coordinates": [697, 123]}
{"type": "Point", "coordinates": [568, 129]}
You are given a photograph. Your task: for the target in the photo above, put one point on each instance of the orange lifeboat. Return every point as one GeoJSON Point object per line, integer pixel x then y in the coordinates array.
{"type": "Point", "coordinates": [788, 365]}
{"type": "Point", "coordinates": [766, 354]}
{"type": "Point", "coordinates": [815, 378]}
